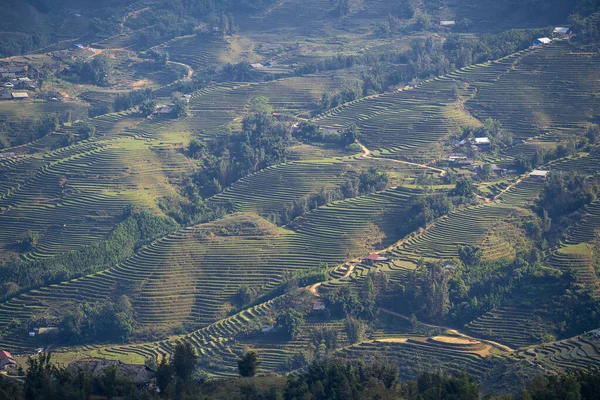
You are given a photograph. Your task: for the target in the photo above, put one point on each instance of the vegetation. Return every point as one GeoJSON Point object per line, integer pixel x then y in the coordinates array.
{"type": "Point", "coordinates": [103, 321]}
{"type": "Point", "coordinates": [310, 199]}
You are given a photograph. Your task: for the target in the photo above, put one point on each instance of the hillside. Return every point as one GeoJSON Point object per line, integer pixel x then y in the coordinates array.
{"type": "Point", "coordinates": [412, 182]}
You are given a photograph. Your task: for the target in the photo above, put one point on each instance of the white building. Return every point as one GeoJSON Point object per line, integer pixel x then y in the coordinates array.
{"type": "Point", "coordinates": [542, 41]}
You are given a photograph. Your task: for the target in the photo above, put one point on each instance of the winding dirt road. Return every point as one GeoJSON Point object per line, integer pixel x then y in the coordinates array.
{"type": "Point", "coordinates": [367, 154]}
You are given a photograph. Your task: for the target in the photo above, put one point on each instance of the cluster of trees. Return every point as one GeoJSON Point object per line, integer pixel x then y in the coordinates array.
{"type": "Point", "coordinates": [190, 208]}
{"type": "Point", "coordinates": [424, 209]}
{"type": "Point", "coordinates": [134, 98]}
{"type": "Point", "coordinates": [96, 71]}
{"type": "Point", "coordinates": [310, 132]}
{"type": "Point", "coordinates": [136, 229]}
{"type": "Point", "coordinates": [98, 322]}
{"type": "Point", "coordinates": [332, 100]}
{"type": "Point", "coordinates": [460, 290]}
{"type": "Point", "coordinates": [84, 131]}
{"type": "Point", "coordinates": [44, 380]}
{"type": "Point", "coordinates": [11, 45]}
{"type": "Point", "coordinates": [559, 205]}
{"type": "Point", "coordinates": [526, 162]}
{"type": "Point", "coordinates": [586, 29]}
{"type": "Point", "coordinates": [427, 58]}
{"type": "Point", "coordinates": [492, 129]}
{"type": "Point", "coordinates": [263, 142]}
{"type": "Point", "coordinates": [325, 378]}
{"type": "Point", "coordinates": [565, 193]}
{"type": "Point", "coordinates": [340, 379]}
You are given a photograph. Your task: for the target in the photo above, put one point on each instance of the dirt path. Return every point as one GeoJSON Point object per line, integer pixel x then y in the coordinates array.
{"type": "Point", "coordinates": [367, 154]}
{"type": "Point", "coordinates": [451, 330]}
{"type": "Point", "coordinates": [314, 289]}
{"type": "Point", "coordinates": [515, 183]}
{"type": "Point", "coordinates": [190, 70]}
{"type": "Point", "coordinates": [132, 14]}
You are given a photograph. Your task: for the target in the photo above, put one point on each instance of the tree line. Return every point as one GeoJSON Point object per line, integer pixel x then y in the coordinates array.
{"type": "Point", "coordinates": [324, 379]}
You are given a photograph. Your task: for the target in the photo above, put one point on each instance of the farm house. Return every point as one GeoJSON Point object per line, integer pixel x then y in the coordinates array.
{"type": "Point", "coordinates": [6, 360]}
{"type": "Point", "coordinates": [539, 174]}
{"type": "Point", "coordinates": [542, 41]}
{"type": "Point", "coordinates": [561, 32]}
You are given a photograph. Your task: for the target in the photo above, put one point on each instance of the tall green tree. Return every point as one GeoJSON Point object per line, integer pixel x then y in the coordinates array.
{"type": "Point", "coordinates": [248, 364]}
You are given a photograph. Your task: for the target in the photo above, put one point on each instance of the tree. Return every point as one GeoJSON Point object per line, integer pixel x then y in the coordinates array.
{"type": "Point", "coordinates": [464, 187]}
{"type": "Point", "coordinates": [147, 107]}
{"type": "Point", "coordinates": [423, 21]}
{"type": "Point", "coordinates": [290, 321]}
{"type": "Point", "coordinates": [368, 298]}
{"type": "Point", "coordinates": [469, 255]}
{"type": "Point", "coordinates": [164, 375]}
{"type": "Point", "coordinates": [184, 362]}
{"type": "Point", "coordinates": [196, 149]}
{"type": "Point", "coordinates": [86, 130]}
{"type": "Point", "coordinates": [356, 329]}
{"type": "Point", "coordinates": [486, 172]}
{"type": "Point", "coordinates": [261, 105]}
{"type": "Point", "coordinates": [350, 135]}
{"type": "Point", "coordinates": [181, 107]}
{"type": "Point", "coordinates": [38, 380]}
{"type": "Point", "coordinates": [436, 290]}
{"type": "Point", "coordinates": [248, 364]}
{"type": "Point", "coordinates": [28, 241]}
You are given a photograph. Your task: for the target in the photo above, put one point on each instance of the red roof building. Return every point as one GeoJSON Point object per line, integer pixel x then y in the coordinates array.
{"type": "Point", "coordinates": [6, 360]}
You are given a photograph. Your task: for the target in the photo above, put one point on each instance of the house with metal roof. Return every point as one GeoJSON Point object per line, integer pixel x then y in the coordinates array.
{"type": "Point", "coordinates": [20, 95]}
{"type": "Point", "coordinates": [561, 32]}
{"type": "Point", "coordinates": [542, 41]}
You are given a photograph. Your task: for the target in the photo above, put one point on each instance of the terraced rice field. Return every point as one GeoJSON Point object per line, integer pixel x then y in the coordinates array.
{"type": "Point", "coordinates": [405, 124]}
{"type": "Point", "coordinates": [578, 353]}
{"type": "Point", "coordinates": [512, 326]}
{"type": "Point", "coordinates": [465, 227]}
{"type": "Point", "coordinates": [196, 51]}
{"type": "Point", "coordinates": [554, 84]}
{"type": "Point", "coordinates": [416, 355]}
{"type": "Point", "coordinates": [271, 189]}
{"type": "Point", "coordinates": [20, 115]}
{"type": "Point", "coordinates": [181, 278]}
{"type": "Point", "coordinates": [76, 194]}
{"type": "Point", "coordinates": [588, 164]}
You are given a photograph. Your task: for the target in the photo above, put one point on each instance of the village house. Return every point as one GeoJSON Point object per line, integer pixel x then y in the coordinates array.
{"type": "Point", "coordinates": [539, 174]}
{"type": "Point", "coordinates": [20, 96]}
{"type": "Point", "coordinates": [542, 41]}
{"type": "Point", "coordinates": [372, 258]}
{"type": "Point", "coordinates": [450, 267]}
{"type": "Point", "coordinates": [6, 361]}
{"type": "Point", "coordinates": [163, 109]}
{"type": "Point", "coordinates": [561, 32]}
{"type": "Point", "coordinates": [447, 23]}
{"type": "Point", "coordinates": [481, 141]}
